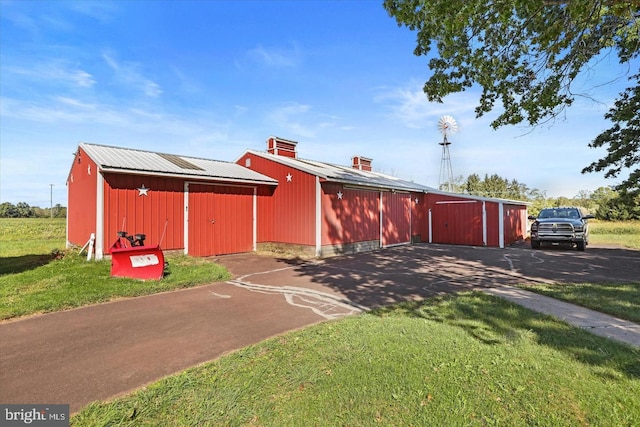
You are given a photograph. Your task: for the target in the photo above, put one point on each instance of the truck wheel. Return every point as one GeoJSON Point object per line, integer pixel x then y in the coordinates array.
{"type": "Point", "coordinates": [580, 246]}
{"type": "Point", "coordinates": [535, 244]}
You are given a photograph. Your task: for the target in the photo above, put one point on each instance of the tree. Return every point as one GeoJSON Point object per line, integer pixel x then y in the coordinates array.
{"type": "Point", "coordinates": [623, 140]}
{"type": "Point", "coordinates": [525, 54]}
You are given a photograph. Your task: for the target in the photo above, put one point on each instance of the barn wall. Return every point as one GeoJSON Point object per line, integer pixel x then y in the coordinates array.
{"type": "Point", "coordinates": [288, 214]}
{"type": "Point", "coordinates": [515, 223]}
{"type": "Point", "coordinates": [81, 203]}
{"type": "Point", "coordinates": [455, 220]}
{"type": "Point", "coordinates": [396, 218]}
{"type": "Point", "coordinates": [125, 209]}
{"type": "Point", "coordinates": [493, 224]}
{"type": "Point", "coordinates": [220, 219]}
{"type": "Point", "coordinates": [419, 218]}
{"type": "Point", "coordinates": [353, 218]}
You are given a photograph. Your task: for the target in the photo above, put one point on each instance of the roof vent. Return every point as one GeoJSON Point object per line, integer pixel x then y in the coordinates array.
{"type": "Point", "coordinates": [282, 147]}
{"type": "Point", "coordinates": [362, 163]}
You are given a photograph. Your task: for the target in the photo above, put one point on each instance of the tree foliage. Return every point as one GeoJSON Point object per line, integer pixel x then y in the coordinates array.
{"type": "Point", "coordinates": [622, 139]}
{"type": "Point", "coordinates": [23, 210]}
{"type": "Point", "coordinates": [525, 55]}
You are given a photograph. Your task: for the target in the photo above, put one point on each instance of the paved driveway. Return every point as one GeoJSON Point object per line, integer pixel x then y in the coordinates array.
{"type": "Point", "coordinates": [98, 352]}
{"type": "Point", "coordinates": [414, 272]}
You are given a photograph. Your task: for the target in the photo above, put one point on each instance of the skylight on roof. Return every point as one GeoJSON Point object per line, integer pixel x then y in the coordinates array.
{"type": "Point", "coordinates": [180, 162]}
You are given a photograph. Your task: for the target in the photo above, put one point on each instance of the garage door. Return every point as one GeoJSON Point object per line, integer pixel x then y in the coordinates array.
{"type": "Point", "coordinates": [457, 222]}
{"type": "Point", "coordinates": [220, 219]}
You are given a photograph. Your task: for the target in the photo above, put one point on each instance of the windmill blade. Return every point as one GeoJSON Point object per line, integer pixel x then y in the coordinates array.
{"type": "Point", "coordinates": [447, 125]}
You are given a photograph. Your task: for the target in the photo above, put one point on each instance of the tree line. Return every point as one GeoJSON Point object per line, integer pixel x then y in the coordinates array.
{"type": "Point", "coordinates": [23, 210]}
{"type": "Point", "coordinates": [605, 203]}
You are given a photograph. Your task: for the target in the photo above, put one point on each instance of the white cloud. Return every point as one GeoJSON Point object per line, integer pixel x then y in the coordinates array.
{"type": "Point", "coordinates": [54, 71]}
{"type": "Point", "coordinates": [128, 73]}
{"type": "Point", "coordinates": [409, 106]}
{"type": "Point", "coordinates": [275, 57]}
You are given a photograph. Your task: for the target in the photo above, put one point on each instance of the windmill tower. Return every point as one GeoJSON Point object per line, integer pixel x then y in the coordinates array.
{"type": "Point", "coordinates": [447, 126]}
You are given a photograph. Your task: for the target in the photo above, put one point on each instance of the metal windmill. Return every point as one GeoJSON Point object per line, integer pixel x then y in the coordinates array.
{"type": "Point", "coordinates": [447, 126]}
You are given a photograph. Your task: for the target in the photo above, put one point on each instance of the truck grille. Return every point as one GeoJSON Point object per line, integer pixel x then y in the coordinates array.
{"type": "Point", "coordinates": [553, 228]}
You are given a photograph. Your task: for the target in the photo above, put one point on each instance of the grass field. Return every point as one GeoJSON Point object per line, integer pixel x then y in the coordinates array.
{"type": "Point", "coordinates": [469, 359]}
{"type": "Point", "coordinates": [618, 233]}
{"type": "Point", "coordinates": [35, 280]}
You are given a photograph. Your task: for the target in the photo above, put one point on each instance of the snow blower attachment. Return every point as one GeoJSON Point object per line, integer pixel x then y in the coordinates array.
{"type": "Point", "coordinates": [131, 258]}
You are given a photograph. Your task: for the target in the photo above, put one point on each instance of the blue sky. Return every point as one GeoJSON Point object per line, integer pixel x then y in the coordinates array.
{"type": "Point", "coordinates": [213, 78]}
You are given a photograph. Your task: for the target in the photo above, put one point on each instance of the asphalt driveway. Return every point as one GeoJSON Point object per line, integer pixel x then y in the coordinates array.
{"type": "Point", "coordinates": [101, 351]}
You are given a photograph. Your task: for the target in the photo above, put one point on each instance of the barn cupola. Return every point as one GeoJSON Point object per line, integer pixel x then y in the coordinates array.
{"type": "Point", "coordinates": [282, 147]}
{"type": "Point", "coordinates": [361, 163]}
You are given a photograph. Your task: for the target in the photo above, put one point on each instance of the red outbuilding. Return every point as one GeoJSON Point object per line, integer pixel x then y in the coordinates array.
{"type": "Point", "coordinates": [198, 206]}
{"type": "Point", "coordinates": [458, 219]}
{"type": "Point", "coordinates": [328, 209]}
{"type": "Point", "coordinates": [270, 198]}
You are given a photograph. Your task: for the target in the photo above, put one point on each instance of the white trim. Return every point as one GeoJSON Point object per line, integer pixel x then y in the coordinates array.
{"type": "Point", "coordinates": [410, 219]}
{"type": "Point", "coordinates": [430, 228]}
{"type": "Point", "coordinates": [381, 220]}
{"type": "Point", "coordinates": [484, 223]}
{"type": "Point", "coordinates": [255, 219]}
{"type": "Point", "coordinates": [501, 225]}
{"type": "Point", "coordinates": [318, 217]}
{"type": "Point", "coordinates": [185, 218]}
{"type": "Point", "coordinates": [99, 245]}
{"type": "Point", "coordinates": [454, 202]}
{"type": "Point", "coordinates": [206, 178]}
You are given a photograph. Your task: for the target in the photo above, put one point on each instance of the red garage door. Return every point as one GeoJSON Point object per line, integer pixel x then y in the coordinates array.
{"type": "Point", "coordinates": [396, 218]}
{"type": "Point", "coordinates": [220, 219]}
{"type": "Point", "coordinates": [457, 222]}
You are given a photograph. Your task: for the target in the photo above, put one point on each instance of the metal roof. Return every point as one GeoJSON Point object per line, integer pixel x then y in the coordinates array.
{"type": "Point", "coordinates": [345, 174]}
{"type": "Point", "coordinates": [120, 160]}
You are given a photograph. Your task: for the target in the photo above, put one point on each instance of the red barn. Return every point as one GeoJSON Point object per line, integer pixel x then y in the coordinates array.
{"type": "Point", "coordinates": [206, 207]}
{"type": "Point", "coordinates": [459, 219]}
{"type": "Point", "coordinates": [198, 206]}
{"type": "Point", "coordinates": [328, 209]}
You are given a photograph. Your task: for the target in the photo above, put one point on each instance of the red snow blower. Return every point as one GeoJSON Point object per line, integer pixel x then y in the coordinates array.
{"type": "Point", "coordinates": [131, 258]}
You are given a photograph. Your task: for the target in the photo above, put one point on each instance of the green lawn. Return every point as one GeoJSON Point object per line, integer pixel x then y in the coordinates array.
{"type": "Point", "coordinates": [619, 233]}
{"type": "Point", "coordinates": [470, 359]}
{"type": "Point", "coordinates": [31, 236]}
{"type": "Point", "coordinates": [617, 299]}
{"type": "Point", "coordinates": [35, 280]}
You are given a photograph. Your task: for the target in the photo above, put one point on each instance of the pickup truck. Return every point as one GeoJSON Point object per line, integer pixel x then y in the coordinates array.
{"type": "Point", "coordinates": [560, 226]}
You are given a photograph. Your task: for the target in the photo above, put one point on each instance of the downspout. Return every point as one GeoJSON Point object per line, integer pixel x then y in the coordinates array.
{"type": "Point", "coordinates": [430, 228]}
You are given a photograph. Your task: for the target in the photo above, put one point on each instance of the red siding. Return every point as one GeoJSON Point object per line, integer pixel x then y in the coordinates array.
{"type": "Point", "coordinates": [125, 209]}
{"type": "Point", "coordinates": [288, 215]}
{"type": "Point", "coordinates": [419, 218]}
{"type": "Point", "coordinates": [396, 218]}
{"type": "Point", "coordinates": [220, 219]}
{"type": "Point", "coordinates": [455, 220]}
{"type": "Point", "coordinates": [81, 203]}
{"type": "Point", "coordinates": [354, 218]}
{"type": "Point", "coordinates": [515, 223]}
{"type": "Point", "coordinates": [493, 224]}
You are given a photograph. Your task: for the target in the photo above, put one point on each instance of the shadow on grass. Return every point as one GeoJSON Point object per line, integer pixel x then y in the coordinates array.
{"type": "Point", "coordinates": [495, 321]}
{"type": "Point", "coordinates": [19, 264]}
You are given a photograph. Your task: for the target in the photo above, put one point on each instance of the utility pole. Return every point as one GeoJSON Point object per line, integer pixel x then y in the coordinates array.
{"type": "Point", "coordinates": [51, 200]}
